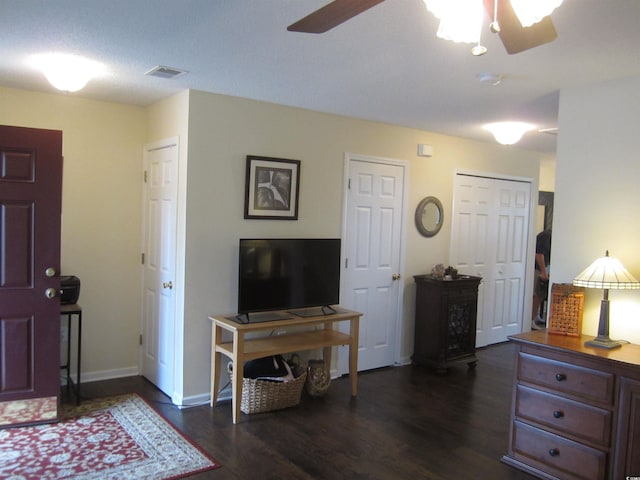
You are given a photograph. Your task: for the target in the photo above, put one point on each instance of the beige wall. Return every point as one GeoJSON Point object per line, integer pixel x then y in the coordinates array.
{"type": "Point", "coordinates": [102, 145]}
{"type": "Point", "coordinates": [548, 174]}
{"type": "Point", "coordinates": [597, 199]}
{"type": "Point", "coordinates": [223, 130]}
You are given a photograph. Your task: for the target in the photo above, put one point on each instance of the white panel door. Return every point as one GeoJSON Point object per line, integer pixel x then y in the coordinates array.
{"type": "Point", "coordinates": [372, 252]}
{"type": "Point", "coordinates": [489, 236]}
{"type": "Point", "coordinates": [512, 201]}
{"type": "Point", "coordinates": [470, 236]}
{"type": "Point", "coordinates": [159, 249]}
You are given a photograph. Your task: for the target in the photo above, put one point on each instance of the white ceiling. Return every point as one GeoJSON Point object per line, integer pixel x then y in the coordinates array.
{"type": "Point", "coordinates": [386, 64]}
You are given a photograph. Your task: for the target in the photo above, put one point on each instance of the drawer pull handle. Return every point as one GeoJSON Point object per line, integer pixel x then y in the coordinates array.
{"type": "Point", "coordinates": [554, 452]}
{"type": "Point", "coordinates": [560, 377]}
{"type": "Point", "coordinates": [558, 414]}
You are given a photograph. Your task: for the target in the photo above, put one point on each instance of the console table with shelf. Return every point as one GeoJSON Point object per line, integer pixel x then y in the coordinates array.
{"type": "Point", "coordinates": [241, 349]}
{"type": "Point", "coordinates": [69, 310]}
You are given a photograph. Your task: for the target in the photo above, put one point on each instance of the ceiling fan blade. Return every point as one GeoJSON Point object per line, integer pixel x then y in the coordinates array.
{"type": "Point", "coordinates": [332, 15]}
{"type": "Point", "coordinates": [514, 36]}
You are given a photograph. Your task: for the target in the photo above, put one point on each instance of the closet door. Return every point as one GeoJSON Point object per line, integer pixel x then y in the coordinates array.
{"type": "Point", "coordinates": [161, 285]}
{"type": "Point", "coordinates": [372, 245]}
{"type": "Point", "coordinates": [490, 230]}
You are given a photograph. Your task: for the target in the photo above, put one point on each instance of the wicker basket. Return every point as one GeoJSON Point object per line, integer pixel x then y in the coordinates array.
{"type": "Point", "coordinates": [264, 396]}
{"type": "Point", "coordinates": [565, 314]}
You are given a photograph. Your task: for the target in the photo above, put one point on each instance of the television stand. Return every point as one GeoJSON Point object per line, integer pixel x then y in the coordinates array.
{"type": "Point", "coordinates": [259, 317]}
{"type": "Point", "coordinates": [241, 349]}
{"type": "Point", "coordinates": [317, 311]}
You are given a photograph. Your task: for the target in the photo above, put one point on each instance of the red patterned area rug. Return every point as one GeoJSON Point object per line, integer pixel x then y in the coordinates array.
{"type": "Point", "coordinates": [115, 438]}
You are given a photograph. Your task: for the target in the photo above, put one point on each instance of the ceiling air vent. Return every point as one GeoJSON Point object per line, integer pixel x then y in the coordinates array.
{"type": "Point", "coordinates": [165, 72]}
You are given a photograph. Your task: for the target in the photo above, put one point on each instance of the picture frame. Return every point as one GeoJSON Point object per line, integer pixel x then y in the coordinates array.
{"type": "Point", "coordinates": [272, 188]}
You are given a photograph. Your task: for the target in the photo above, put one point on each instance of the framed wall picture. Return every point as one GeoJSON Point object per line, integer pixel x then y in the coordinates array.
{"type": "Point", "coordinates": [272, 188]}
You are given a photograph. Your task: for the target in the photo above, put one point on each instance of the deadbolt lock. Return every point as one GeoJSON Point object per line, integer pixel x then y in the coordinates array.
{"type": "Point", "coordinates": [50, 272]}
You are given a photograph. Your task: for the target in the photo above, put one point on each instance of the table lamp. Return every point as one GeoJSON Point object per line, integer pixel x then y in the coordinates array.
{"type": "Point", "coordinates": [606, 273]}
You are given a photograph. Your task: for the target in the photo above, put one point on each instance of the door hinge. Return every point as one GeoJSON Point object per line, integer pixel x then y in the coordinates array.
{"type": "Point", "coordinates": [145, 176]}
{"type": "Point", "coordinates": [349, 185]}
{"type": "Point", "coordinates": [346, 263]}
{"type": "Point", "coordinates": [140, 339]}
{"type": "Point", "coordinates": [142, 258]}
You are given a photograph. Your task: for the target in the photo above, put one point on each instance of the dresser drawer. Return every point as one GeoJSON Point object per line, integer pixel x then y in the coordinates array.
{"type": "Point", "coordinates": [566, 416]}
{"type": "Point", "coordinates": [565, 378]}
{"type": "Point", "coordinates": [557, 455]}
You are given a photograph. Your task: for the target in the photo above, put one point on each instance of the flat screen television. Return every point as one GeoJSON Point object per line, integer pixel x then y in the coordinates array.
{"type": "Point", "coordinates": [284, 274]}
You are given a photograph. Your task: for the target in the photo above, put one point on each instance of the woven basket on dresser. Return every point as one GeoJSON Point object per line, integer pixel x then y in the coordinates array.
{"type": "Point", "coordinates": [565, 311]}
{"type": "Point", "coordinates": [264, 396]}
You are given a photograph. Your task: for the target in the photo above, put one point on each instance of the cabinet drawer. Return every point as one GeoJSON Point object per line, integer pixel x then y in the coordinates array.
{"type": "Point", "coordinates": [557, 455]}
{"type": "Point", "coordinates": [456, 293]}
{"type": "Point", "coordinates": [567, 416]}
{"type": "Point", "coordinates": [584, 383]}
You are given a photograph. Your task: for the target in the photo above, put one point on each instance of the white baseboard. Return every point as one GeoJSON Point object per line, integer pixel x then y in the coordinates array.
{"type": "Point", "coordinates": [201, 399]}
{"type": "Point", "coordinates": [87, 377]}
{"type": "Point", "coordinates": [406, 360]}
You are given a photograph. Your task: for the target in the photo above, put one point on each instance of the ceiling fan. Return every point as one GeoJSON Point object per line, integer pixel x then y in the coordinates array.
{"type": "Point", "coordinates": [514, 36]}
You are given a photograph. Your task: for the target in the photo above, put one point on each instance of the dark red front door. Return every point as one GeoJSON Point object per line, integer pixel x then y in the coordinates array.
{"type": "Point", "coordinates": [30, 205]}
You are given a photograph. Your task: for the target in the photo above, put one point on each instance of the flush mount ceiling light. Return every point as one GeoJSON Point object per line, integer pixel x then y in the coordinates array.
{"type": "Point", "coordinates": [67, 72]}
{"type": "Point", "coordinates": [508, 133]}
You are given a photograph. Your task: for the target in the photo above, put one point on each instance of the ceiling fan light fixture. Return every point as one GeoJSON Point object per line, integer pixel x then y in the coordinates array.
{"type": "Point", "coordinates": [530, 12]}
{"type": "Point", "coordinates": [460, 20]}
{"type": "Point", "coordinates": [508, 133]}
{"type": "Point", "coordinates": [478, 50]}
{"type": "Point", "coordinates": [66, 72]}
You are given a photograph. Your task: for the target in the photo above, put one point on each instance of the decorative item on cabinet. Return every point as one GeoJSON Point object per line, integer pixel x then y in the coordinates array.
{"type": "Point", "coordinates": [445, 321]}
{"type": "Point", "coordinates": [565, 312]}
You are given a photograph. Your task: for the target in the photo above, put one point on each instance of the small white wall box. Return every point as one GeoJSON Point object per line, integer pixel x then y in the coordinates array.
{"type": "Point", "coordinates": [425, 150]}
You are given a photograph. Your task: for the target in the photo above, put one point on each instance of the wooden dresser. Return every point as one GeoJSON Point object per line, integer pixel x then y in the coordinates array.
{"type": "Point", "coordinates": [575, 410]}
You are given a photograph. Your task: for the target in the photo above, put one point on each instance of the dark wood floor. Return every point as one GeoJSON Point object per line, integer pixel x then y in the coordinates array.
{"type": "Point", "coordinates": [406, 423]}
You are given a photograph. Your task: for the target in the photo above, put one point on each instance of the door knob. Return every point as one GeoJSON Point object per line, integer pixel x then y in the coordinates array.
{"type": "Point", "coordinates": [168, 285]}
{"type": "Point", "coordinates": [50, 272]}
{"type": "Point", "coordinates": [395, 276]}
{"type": "Point", "coordinates": [50, 293]}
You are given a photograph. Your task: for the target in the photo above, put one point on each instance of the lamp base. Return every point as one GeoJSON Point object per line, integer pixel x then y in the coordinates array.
{"type": "Point", "coordinates": [603, 342]}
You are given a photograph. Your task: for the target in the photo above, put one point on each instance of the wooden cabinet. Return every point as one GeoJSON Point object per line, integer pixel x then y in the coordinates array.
{"type": "Point", "coordinates": [445, 321]}
{"type": "Point", "coordinates": [575, 410]}
{"type": "Point", "coordinates": [627, 454]}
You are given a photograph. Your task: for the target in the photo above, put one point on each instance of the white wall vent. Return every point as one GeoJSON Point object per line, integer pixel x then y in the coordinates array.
{"type": "Point", "coordinates": [165, 72]}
